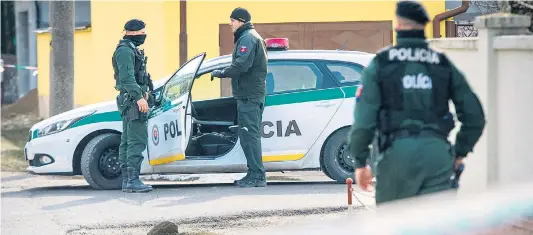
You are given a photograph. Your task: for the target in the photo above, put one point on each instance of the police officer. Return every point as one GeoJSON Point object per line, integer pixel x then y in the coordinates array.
{"type": "Point", "coordinates": [133, 82]}
{"type": "Point", "coordinates": [248, 72]}
{"type": "Point", "coordinates": [407, 88]}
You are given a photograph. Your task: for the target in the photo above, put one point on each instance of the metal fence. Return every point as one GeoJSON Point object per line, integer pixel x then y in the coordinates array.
{"type": "Point", "coordinates": [460, 29]}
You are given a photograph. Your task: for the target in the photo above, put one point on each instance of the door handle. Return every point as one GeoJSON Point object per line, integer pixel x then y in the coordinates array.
{"type": "Point", "coordinates": [324, 104]}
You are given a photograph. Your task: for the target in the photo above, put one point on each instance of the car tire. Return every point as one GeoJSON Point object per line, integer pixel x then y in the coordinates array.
{"type": "Point", "coordinates": [337, 147]}
{"type": "Point", "coordinates": [99, 162]}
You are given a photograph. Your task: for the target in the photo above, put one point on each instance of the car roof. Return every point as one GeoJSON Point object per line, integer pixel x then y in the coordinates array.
{"type": "Point", "coordinates": [362, 58]}
{"type": "Point", "coordinates": [359, 57]}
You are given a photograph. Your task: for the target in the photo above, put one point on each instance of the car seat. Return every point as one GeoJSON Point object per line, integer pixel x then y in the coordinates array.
{"type": "Point", "coordinates": [270, 83]}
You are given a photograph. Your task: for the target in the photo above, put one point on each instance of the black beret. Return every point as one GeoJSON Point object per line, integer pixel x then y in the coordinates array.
{"type": "Point", "coordinates": [241, 14]}
{"type": "Point", "coordinates": [134, 25]}
{"type": "Point", "coordinates": [412, 10]}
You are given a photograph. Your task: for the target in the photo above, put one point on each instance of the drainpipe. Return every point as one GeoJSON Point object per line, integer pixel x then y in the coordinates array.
{"type": "Point", "coordinates": [447, 14]}
{"type": "Point", "coordinates": [183, 32]}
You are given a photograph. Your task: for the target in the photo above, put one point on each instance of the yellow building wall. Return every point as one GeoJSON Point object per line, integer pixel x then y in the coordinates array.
{"type": "Point", "coordinates": [93, 77]}
{"type": "Point", "coordinates": [204, 17]}
{"type": "Point", "coordinates": [82, 46]}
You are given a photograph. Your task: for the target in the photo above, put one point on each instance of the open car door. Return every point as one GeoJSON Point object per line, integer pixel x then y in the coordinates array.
{"type": "Point", "coordinates": [168, 128]}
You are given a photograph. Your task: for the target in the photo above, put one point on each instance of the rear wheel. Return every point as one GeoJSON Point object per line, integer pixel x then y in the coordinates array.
{"type": "Point", "coordinates": [99, 162]}
{"type": "Point", "coordinates": [336, 162]}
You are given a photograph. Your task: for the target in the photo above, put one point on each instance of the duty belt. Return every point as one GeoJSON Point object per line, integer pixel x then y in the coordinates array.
{"type": "Point", "coordinates": [421, 133]}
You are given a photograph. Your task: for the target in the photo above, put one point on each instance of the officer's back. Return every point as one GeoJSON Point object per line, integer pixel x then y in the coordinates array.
{"type": "Point", "coordinates": [406, 92]}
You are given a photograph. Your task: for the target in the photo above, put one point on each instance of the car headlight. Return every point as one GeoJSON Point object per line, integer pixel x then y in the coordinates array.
{"type": "Point", "coordinates": [62, 125]}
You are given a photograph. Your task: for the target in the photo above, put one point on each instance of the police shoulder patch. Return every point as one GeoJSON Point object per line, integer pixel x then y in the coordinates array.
{"type": "Point", "coordinates": [243, 49]}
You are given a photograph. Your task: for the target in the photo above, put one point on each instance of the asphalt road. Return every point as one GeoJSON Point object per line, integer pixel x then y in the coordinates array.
{"type": "Point", "coordinates": [66, 205]}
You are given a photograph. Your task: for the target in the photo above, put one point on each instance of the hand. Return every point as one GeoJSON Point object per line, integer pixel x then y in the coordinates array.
{"type": "Point", "coordinates": [143, 105]}
{"type": "Point", "coordinates": [458, 161]}
{"type": "Point", "coordinates": [363, 177]}
{"type": "Point", "coordinates": [217, 73]}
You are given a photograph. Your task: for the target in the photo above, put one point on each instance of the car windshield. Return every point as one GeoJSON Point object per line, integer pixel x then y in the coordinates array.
{"type": "Point", "coordinates": [180, 82]}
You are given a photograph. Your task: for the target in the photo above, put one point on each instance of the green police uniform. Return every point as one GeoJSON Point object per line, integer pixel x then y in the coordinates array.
{"type": "Point", "coordinates": [248, 82]}
{"type": "Point", "coordinates": [406, 92]}
{"type": "Point", "coordinates": [132, 80]}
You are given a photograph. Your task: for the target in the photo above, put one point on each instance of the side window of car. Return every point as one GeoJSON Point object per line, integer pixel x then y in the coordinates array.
{"type": "Point", "coordinates": [287, 76]}
{"type": "Point", "coordinates": [345, 73]}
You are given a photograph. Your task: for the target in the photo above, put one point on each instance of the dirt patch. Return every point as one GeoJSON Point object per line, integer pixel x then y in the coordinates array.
{"type": "Point", "coordinates": [27, 105]}
{"type": "Point", "coordinates": [13, 141]}
{"type": "Point", "coordinates": [230, 224]}
{"type": "Point", "coordinates": [13, 161]}
{"type": "Point", "coordinates": [17, 120]}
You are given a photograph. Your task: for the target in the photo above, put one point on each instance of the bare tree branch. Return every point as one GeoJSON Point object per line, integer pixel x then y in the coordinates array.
{"type": "Point", "coordinates": [486, 7]}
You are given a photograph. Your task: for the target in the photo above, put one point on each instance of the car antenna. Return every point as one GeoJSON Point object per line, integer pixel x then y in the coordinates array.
{"type": "Point", "coordinates": [343, 45]}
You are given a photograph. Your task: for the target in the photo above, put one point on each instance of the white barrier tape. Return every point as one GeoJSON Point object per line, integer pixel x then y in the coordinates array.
{"type": "Point", "coordinates": [19, 67]}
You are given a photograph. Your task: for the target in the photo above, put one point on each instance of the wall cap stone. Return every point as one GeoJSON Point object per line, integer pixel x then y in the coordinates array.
{"type": "Point", "coordinates": [502, 20]}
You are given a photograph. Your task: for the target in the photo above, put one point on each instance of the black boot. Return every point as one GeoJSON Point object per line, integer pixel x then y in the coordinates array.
{"type": "Point", "coordinates": [134, 185]}
{"type": "Point", "coordinates": [253, 181]}
{"type": "Point", "coordinates": [243, 179]}
{"type": "Point", "coordinates": [124, 171]}
{"type": "Point", "coordinates": [139, 170]}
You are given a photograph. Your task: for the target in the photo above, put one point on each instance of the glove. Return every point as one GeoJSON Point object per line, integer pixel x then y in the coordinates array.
{"type": "Point", "coordinates": [217, 73]}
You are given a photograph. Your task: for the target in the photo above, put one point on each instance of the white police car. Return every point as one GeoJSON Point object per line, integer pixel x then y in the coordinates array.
{"type": "Point", "coordinates": [308, 111]}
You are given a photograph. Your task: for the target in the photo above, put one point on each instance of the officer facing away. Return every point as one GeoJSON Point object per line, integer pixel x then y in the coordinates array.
{"type": "Point", "coordinates": [406, 96]}
{"type": "Point", "coordinates": [248, 74]}
{"type": "Point", "coordinates": [133, 82]}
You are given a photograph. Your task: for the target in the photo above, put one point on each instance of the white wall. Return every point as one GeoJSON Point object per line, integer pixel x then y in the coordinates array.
{"type": "Point", "coordinates": [497, 65]}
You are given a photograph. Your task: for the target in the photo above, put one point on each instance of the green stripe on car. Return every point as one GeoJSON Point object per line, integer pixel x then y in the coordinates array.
{"type": "Point", "coordinates": [271, 100]}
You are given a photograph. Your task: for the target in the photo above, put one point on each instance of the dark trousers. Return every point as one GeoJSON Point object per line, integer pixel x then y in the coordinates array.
{"type": "Point", "coordinates": [134, 138]}
{"type": "Point", "coordinates": [133, 142]}
{"type": "Point", "coordinates": [413, 166]}
{"type": "Point", "coordinates": [250, 115]}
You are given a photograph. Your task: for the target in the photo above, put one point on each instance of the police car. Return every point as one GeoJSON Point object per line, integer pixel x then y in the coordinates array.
{"type": "Point", "coordinates": [307, 115]}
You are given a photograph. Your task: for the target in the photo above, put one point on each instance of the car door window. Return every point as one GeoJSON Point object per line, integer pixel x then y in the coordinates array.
{"type": "Point", "coordinates": [287, 76]}
{"type": "Point", "coordinates": [345, 73]}
{"type": "Point", "coordinates": [180, 82]}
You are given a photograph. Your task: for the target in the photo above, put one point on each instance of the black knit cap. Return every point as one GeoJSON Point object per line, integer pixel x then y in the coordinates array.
{"type": "Point", "coordinates": [134, 25]}
{"type": "Point", "coordinates": [412, 10]}
{"type": "Point", "coordinates": [241, 14]}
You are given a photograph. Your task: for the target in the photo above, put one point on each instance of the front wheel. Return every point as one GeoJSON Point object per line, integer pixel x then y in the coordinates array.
{"type": "Point", "coordinates": [337, 163]}
{"type": "Point", "coordinates": [99, 162]}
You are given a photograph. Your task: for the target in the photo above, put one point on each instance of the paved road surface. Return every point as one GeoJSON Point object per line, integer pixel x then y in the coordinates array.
{"type": "Point", "coordinates": [62, 205]}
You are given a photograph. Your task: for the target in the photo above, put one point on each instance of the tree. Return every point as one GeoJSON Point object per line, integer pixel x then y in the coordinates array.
{"type": "Point", "coordinates": [520, 7]}
{"type": "Point", "coordinates": [486, 7]}
{"type": "Point", "coordinates": [62, 57]}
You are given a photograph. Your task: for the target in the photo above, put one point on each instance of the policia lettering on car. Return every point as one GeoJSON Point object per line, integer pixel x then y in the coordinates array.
{"type": "Point", "coordinates": [292, 128]}
{"type": "Point", "coordinates": [172, 129]}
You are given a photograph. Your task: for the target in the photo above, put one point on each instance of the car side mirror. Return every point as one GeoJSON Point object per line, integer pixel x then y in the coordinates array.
{"type": "Point", "coordinates": [158, 96]}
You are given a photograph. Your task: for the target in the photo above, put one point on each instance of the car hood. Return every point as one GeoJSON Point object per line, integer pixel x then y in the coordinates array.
{"type": "Point", "coordinates": [87, 109]}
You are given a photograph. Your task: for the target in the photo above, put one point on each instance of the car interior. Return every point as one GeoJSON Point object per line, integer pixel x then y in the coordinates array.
{"type": "Point", "coordinates": [214, 131]}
